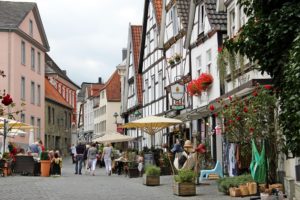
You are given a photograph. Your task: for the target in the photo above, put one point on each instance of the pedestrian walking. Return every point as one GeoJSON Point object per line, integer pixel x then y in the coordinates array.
{"type": "Point", "coordinates": [73, 153]}
{"type": "Point", "coordinates": [85, 159]}
{"type": "Point", "coordinates": [80, 148]}
{"type": "Point", "coordinates": [106, 155]}
{"type": "Point", "coordinates": [92, 158]}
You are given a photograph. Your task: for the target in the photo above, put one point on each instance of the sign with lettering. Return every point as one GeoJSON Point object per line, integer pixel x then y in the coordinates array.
{"type": "Point", "coordinates": [148, 158]}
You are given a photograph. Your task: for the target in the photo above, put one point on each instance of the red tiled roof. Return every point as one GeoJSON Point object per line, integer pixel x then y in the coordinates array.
{"type": "Point", "coordinates": [136, 34]}
{"type": "Point", "coordinates": [113, 88]}
{"type": "Point", "coordinates": [157, 4]}
{"type": "Point", "coordinates": [94, 89]}
{"type": "Point", "coordinates": [53, 94]}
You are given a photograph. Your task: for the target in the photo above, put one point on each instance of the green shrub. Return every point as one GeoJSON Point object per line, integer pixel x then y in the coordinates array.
{"type": "Point", "coordinates": [152, 170]}
{"type": "Point", "coordinates": [225, 183]}
{"type": "Point", "coordinates": [185, 176]}
{"type": "Point", "coordinates": [44, 155]}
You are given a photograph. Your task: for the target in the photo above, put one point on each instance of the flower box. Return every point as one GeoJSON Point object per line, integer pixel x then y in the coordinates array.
{"type": "Point", "coordinates": [184, 189]}
{"type": "Point", "coordinates": [151, 180]}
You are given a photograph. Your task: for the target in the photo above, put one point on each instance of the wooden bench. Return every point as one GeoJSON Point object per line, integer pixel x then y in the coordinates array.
{"type": "Point", "coordinates": [24, 165]}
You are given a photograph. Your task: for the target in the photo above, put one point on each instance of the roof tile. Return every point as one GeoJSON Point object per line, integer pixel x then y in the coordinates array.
{"type": "Point", "coordinates": [157, 4]}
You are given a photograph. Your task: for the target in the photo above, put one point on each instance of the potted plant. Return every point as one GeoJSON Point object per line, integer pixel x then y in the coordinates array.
{"type": "Point", "coordinates": [133, 171]}
{"type": "Point", "coordinates": [152, 175]}
{"type": "Point", "coordinates": [205, 80]}
{"type": "Point", "coordinates": [171, 61]}
{"type": "Point", "coordinates": [184, 183]}
{"type": "Point", "coordinates": [194, 88]}
{"type": "Point", "coordinates": [177, 57]}
{"type": "Point", "coordinates": [45, 164]}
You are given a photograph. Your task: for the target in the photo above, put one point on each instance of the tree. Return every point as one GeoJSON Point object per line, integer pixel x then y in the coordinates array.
{"type": "Point", "coordinates": [271, 38]}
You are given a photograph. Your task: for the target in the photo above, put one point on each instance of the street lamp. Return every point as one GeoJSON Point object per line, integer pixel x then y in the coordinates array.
{"type": "Point", "coordinates": [116, 116]}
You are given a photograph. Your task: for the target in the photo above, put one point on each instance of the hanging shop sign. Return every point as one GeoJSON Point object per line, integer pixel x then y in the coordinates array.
{"type": "Point", "coordinates": [177, 105]}
{"type": "Point", "coordinates": [177, 91]}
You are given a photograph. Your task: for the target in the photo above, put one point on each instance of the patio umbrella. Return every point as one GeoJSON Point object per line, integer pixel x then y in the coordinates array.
{"type": "Point", "coordinates": [113, 137]}
{"type": "Point", "coordinates": [13, 124]}
{"type": "Point", "coordinates": [152, 124]}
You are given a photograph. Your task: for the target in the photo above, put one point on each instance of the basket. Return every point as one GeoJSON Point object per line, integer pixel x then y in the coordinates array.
{"type": "Point", "coordinates": [252, 188]}
{"type": "Point", "coordinates": [244, 190]}
{"type": "Point", "coordinates": [234, 192]}
{"type": "Point", "coordinates": [276, 186]}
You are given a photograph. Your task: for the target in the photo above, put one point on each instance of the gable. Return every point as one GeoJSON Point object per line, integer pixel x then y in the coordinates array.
{"type": "Point", "coordinates": [24, 26]}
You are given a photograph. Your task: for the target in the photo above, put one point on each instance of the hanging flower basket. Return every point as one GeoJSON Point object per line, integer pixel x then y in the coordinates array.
{"type": "Point", "coordinates": [194, 88]}
{"type": "Point", "coordinates": [205, 80]}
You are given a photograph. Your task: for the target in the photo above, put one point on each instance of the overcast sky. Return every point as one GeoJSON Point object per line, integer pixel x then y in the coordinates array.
{"type": "Point", "coordinates": [86, 36]}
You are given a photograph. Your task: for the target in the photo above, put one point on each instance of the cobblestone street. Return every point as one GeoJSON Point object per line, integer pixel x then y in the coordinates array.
{"type": "Point", "coordinates": [70, 186]}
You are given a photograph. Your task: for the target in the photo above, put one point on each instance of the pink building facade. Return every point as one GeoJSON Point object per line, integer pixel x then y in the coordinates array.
{"type": "Point", "coordinates": [23, 45]}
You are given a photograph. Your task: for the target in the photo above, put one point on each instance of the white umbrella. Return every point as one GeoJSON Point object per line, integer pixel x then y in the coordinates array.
{"type": "Point", "coordinates": [152, 124]}
{"type": "Point", "coordinates": [113, 137]}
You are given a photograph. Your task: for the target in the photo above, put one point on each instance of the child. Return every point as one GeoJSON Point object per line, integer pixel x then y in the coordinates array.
{"type": "Point", "coordinates": [56, 164]}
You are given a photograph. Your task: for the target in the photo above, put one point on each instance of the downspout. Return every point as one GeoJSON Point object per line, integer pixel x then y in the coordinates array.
{"type": "Point", "coordinates": [9, 62]}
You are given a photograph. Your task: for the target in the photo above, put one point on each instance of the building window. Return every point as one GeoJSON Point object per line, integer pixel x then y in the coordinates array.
{"type": "Point", "coordinates": [23, 53]}
{"type": "Point", "coordinates": [32, 99]}
{"type": "Point", "coordinates": [152, 88]}
{"type": "Point", "coordinates": [32, 59]}
{"type": "Point", "coordinates": [49, 115]}
{"type": "Point", "coordinates": [23, 88]}
{"type": "Point", "coordinates": [146, 88]}
{"type": "Point", "coordinates": [201, 18]}
{"type": "Point", "coordinates": [53, 117]}
{"type": "Point", "coordinates": [66, 119]}
{"type": "Point", "coordinates": [38, 127]}
{"type": "Point", "coordinates": [175, 21]}
{"type": "Point", "coordinates": [32, 120]}
{"type": "Point", "coordinates": [30, 28]}
{"type": "Point", "coordinates": [148, 44]}
{"type": "Point", "coordinates": [231, 23]}
{"type": "Point", "coordinates": [38, 95]}
{"type": "Point", "coordinates": [23, 117]}
{"type": "Point", "coordinates": [160, 84]}
{"type": "Point", "coordinates": [39, 63]}
{"type": "Point", "coordinates": [208, 60]}
{"type": "Point", "coordinates": [155, 37]}
{"type": "Point", "coordinates": [198, 63]}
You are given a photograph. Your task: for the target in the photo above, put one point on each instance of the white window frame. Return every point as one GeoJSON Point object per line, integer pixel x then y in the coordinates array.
{"type": "Point", "coordinates": [152, 87]}
{"type": "Point", "coordinates": [160, 84]}
{"type": "Point", "coordinates": [39, 63]}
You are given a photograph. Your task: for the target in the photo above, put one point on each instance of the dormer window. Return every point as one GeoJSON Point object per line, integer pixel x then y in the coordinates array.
{"type": "Point", "coordinates": [201, 18]}
{"type": "Point", "coordinates": [30, 28]}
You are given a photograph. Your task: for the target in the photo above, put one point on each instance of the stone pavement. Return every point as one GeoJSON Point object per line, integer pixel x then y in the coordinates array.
{"type": "Point", "coordinates": [72, 187]}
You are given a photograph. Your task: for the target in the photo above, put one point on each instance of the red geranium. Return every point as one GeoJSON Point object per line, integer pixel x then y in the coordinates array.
{"type": "Point", "coordinates": [194, 88]}
{"type": "Point", "coordinates": [211, 107]}
{"type": "Point", "coordinates": [205, 80]}
{"type": "Point", "coordinates": [245, 109]}
{"type": "Point", "coordinates": [268, 87]}
{"type": "Point", "coordinates": [254, 93]}
{"type": "Point", "coordinates": [7, 100]}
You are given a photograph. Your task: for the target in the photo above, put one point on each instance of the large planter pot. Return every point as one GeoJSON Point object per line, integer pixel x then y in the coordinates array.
{"type": "Point", "coordinates": [165, 171]}
{"type": "Point", "coordinates": [184, 189]}
{"type": "Point", "coordinates": [151, 180]}
{"type": "Point", "coordinates": [133, 173]}
{"type": "Point", "coordinates": [45, 168]}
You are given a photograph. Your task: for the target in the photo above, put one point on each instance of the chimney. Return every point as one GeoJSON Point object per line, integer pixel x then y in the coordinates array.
{"type": "Point", "coordinates": [99, 80]}
{"type": "Point", "coordinates": [64, 72]}
{"type": "Point", "coordinates": [124, 54]}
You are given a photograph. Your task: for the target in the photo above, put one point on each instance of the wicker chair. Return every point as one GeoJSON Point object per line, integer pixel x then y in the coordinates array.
{"type": "Point", "coordinates": [24, 165]}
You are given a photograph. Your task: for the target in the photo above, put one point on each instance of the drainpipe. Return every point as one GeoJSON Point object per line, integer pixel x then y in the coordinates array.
{"type": "Point", "coordinates": [9, 61]}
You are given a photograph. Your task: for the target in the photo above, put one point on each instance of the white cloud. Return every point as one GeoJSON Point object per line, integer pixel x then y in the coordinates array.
{"type": "Point", "coordinates": [86, 36]}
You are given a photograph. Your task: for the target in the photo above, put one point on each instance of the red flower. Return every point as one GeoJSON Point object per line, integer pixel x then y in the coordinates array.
{"type": "Point", "coordinates": [251, 130]}
{"type": "Point", "coordinates": [268, 87]}
{"type": "Point", "coordinates": [193, 88]}
{"type": "Point", "coordinates": [205, 80]}
{"type": "Point", "coordinates": [211, 108]}
{"type": "Point", "coordinates": [230, 121]}
{"type": "Point", "coordinates": [220, 49]}
{"type": "Point", "coordinates": [254, 93]}
{"type": "Point", "coordinates": [7, 100]}
{"type": "Point", "coordinates": [245, 109]}
{"type": "Point", "coordinates": [230, 98]}
{"type": "Point", "coordinates": [238, 118]}
{"type": "Point", "coordinates": [216, 114]}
